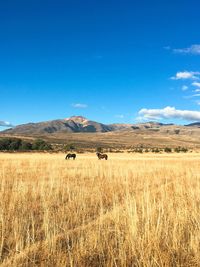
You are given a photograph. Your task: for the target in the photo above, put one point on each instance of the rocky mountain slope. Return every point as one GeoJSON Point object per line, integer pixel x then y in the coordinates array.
{"type": "Point", "coordinates": [76, 124]}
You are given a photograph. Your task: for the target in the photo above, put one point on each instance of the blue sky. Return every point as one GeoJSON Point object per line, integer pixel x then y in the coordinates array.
{"type": "Point", "coordinates": [108, 60]}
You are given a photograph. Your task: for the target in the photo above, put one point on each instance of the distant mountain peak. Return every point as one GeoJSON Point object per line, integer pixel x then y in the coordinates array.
{"type": "Point", "coordinates": [77, 119]}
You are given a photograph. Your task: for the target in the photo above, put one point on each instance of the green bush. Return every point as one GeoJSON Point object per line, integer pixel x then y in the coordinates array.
{"type": "Point", "coordinates": [10, 144]}
{"type": "Point", "coordinates": [17, 144]}
{"type": "Point", "coordinates": [168, 150]}
{"type": "Point", "coordinates": [40, 144]}
{"type": "Point", "coordinates": [180, 149]}
{"type": "Point", "coordinates": [99, 149]}
{"type": "Point", "coordinates": [138, 150]}
{"type": "Point", "coordinates": [69, 147]}
{"type": "Point", "coordinates": [156, 150]}
{"type": "Point", "coordinates": [177, 131]}
{"type": "Point", "coordinates": [26, 146]}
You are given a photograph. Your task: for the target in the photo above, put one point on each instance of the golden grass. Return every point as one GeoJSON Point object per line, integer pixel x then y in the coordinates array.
{"type": "Point", "coordinates": [133, 210]}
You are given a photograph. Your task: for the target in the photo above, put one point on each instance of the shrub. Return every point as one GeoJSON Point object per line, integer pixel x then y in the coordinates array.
{"type": "Point", "coordinates": [99, 149]}
{"type": "Point", "coordinates": [168, 150]}
{"type": "Point", "coordinates": [138, 150]}
{"type": "Point", "coordinates": [156, 150]}
{"type": "Point", "coordinates": [177, 131]}
{"type": "Point", "coordinates": [10, 144]}
{"type": "Point", "coordinates": [180, 149]}
{"type": "Point", "coordinates": [25, 146]}
{"type": "Point", "coordinates": [184, 149]}
{"type": "Point", "coordinates": [70, 147]}
{"type": "Point", "coordinates": [15, 144]}
{"type": "Point", "coordinates": [4, 143]}
{"type": "Point", "coordinates": [40, 144]}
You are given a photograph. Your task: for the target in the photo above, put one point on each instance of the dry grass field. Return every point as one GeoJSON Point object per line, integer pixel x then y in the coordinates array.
{"type": "Point", "coordinates": [132, 210]}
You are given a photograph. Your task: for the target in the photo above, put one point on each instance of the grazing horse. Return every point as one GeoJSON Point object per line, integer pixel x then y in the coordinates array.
{"type": "Point", "coordinates": [102, 156]}
{"type": "Point", "coordinates": [69, 156]}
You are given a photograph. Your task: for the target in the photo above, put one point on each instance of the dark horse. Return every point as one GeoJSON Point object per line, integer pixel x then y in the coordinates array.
{"type": "Point", "coordinates": [102, 156]}
{"type": "Point", "coordinates": [69, 156]}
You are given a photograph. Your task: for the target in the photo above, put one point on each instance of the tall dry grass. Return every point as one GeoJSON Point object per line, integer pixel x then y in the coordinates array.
{"type": "Point", "coordinates": [129, 211]}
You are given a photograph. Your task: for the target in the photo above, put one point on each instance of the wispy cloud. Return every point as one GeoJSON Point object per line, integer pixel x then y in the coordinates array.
{"type": "Point", "coordinates": [184, 87]}
{"type": "Point", "coordinates": [167, 47]}
{"type": "Point", "coordinates": [120, 116]}
{"type": "Point", "coordinates": [169, 113]}
{"type": "Point", "coordinates": [6, 124]}
{"type": "Point", "coordinates": [196, 84]}
{"type": "Point", "coordinates": [184, 75]}
{"type": "Point", "coordinates": [193, 50]}
{"type": "Point", "coordinates": [196, 95]}
{"type": "Point", "coordinates": [79, 105]}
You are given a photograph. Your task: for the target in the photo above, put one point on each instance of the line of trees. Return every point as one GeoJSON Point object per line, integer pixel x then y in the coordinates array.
{"type": "Point", "coordinates": [17, 144]}
{"type": "Point", "coordinates": [158, 150]}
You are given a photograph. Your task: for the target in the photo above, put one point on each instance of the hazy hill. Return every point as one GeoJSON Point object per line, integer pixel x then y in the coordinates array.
{"type": "Point", "coordinates": [195, 124]}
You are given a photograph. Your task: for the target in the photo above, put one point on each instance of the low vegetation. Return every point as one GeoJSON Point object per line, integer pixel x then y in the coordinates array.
{"type": "Point", "coordinates": [159, 150]}
{"type": "Point", "coordinates": [17, 144]}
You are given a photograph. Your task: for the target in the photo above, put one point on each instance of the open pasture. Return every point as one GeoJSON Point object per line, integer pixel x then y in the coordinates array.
{"type": "Point", "coordinates": [132, 210]}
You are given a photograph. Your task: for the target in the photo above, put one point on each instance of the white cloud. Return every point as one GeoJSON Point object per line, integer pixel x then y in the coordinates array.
{"type": "Point", "coordinates": [186, 75]}
{"type": "Point", "coordinates": [193, 49]}
{"type": "Point", "coordinates": [196, 95]}
{"type": "Point", "coordinates": [79, 105]}
{"type": "Point", "coordinates": [169, 113]}
{"type": "Point", "coordinates": [5, 124]}
{"type": "Point", "coordinates": [196, 84]}
{"type": "Point", "coordinates": [191, 96]}
{"type": "Point", "coordinates": [184, 87]}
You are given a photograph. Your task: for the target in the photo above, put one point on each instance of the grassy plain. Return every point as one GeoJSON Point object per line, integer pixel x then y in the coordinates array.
{"type": "Point", "coordinates": [132, 210]}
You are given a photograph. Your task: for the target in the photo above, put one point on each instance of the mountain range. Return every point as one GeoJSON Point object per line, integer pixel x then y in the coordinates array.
{"type": "Point", "coordinates": [76, 124]}
{"type": "Point", "coordinates": [87, 133]}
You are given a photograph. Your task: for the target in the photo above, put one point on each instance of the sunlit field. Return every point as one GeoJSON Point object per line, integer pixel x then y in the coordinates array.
{"type": "Point", "coordinates": [132, 210]}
